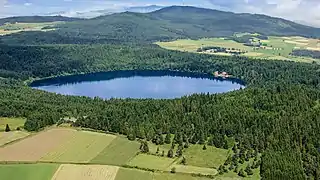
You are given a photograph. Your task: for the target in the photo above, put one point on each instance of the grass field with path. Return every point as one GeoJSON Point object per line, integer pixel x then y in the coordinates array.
{"type": "Point", "coordinates": [28, 171]}
{"type": "Point", "coordinates": [12, 122]}
{"type": "Point", "coordinates": [151, 162]}
{"type": "Point", "coordinates": [8, 137]}
{"type": "Point", "coordinates": [80, 148]}
{"type": "Point", "coordinates": [119, 152]}
{"type": "Point", "coordinates": [194, 170]}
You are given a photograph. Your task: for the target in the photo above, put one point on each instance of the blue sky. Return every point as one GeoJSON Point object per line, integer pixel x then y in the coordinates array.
{"type": "Point", "coordinates": [305, 11]}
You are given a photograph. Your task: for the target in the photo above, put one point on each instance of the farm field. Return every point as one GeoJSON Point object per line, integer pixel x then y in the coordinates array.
{"type": "Point", "coordinates": [119, 152]}
{"type": "Point", "coordinates": [19, 27]}
{"type": "Point", "coordinates": [28, 171]}
{"type": "Point", "coordinates": [7, 137]}
{"type": "Point", "coordinates": [195, 170]}
{"type": "Point", "coordinates": [210, 158]}
{"type": "Point", "coordinates": [80, 148]}
{"type": "Point", "coordinates": [85, 172]}
{"type": "Point", "coordinates": [152, 162]}
{"type": "Point", "coordinates": [12, 122]}
{"type": "Point", "coordinates": [35, 147]}
{"type": "Point", "coordinates": [278, 48]}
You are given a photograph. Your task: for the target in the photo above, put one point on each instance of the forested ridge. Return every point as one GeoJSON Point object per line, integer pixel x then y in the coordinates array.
{"type": "Point", "coordinates": [277, 114]}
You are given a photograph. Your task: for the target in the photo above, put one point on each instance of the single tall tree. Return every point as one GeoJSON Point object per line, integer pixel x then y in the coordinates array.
{"type": "Point", "coordinates": [7, 128]}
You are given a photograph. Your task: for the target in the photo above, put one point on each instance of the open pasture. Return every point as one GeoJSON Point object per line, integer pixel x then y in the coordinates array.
{"type": "Point", "coordinates": [151, 162]}
{"type": "Point", "coordinates": [27, 171]}
{"type": "Point", "coordinates": [35, 147]}
{"type": "Point", "coordinates": [85, 172]}
{"type": "Point", "coordinates": [80, 148]}
{"type": "Point", "coordinates": [12, 122]}
{"type": "Point", "coordinates": [119, 152]}
{"type": "Point", "coordinates": [7, 137]}
{"type": "Point", "coordinates": [210, 158]}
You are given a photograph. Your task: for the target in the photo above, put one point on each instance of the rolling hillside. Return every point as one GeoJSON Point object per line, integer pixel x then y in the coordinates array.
{"type": "Point", "coordinates": [162, 25]}
{"type": "Point", "coordinates": [35, 19]}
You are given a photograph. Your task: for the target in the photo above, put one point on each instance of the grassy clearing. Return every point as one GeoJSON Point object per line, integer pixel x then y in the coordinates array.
{"type": "Point", "coordinates": [152, 162]}
{"type": "Point", "coordinates": [7, 137]}
{"type": "Point", "coordinates": [28, 171]}
{"type": "Point", "coordinates": [12, 122]}
{"type": "Point", "coordinates": [195, 170]}
{"type": "Point", "coordinates": [85, 172]}
{"type": "Point", "coordinates": [133, 174]}
{"type": "Point", "coordinates": [119, 152]}
{"type": "Point", "coordinates": [211, 158]}
{"type": "Point", "coordinates": [81, 148]}
{"type": "Point", "coordinates": [233, 176]}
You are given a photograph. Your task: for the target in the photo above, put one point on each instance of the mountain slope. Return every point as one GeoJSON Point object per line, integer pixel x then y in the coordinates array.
{"type": "Point", "coordinates": [167, 24]}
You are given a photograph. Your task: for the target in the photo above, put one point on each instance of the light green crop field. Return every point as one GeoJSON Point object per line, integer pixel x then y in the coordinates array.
{"type": "Point", "coordinates": [119, 152]}
{"type": "Point", "coordinates": [81, 148]}
{"type": "Point", "coordinates": [12, 122]}
{"type": "Point", "coordinates": [133, 174]}
{"type": "Point", "coordinates": [19, 27]}
{"type": "Point", "coordinates": [7, 137]}
{"type": "Point", "coordinates": [211, 158]}
{"type": "Point", "coordinates": [277, 48]}
{"type": "Point", "coordinates": [28, 171]}
{"type": "Point", "coordinates": [151, 162]}
{"type": "Point", "coordinates": [195, 170]}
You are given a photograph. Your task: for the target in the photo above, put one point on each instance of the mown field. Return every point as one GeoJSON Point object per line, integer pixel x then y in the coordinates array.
{"type": "Point", "coordinates": [278, 48]}
{"type": "Point", "coordinates": [13, 123]}
{"type": "Point", "coordinates": [76, 154]}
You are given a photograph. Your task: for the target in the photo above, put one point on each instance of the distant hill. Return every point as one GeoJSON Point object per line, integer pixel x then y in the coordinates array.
{"type": "Point", "coordinates": [169, 23]}
{"type": "Point", "coordinates": [36, 19]}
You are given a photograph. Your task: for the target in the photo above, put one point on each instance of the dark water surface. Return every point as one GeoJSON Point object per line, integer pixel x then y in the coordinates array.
{"type": "Point", "coordinates": [138, 84]}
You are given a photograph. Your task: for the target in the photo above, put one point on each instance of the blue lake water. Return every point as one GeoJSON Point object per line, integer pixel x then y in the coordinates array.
{"type": "Point", "coordinates": [137, 84]}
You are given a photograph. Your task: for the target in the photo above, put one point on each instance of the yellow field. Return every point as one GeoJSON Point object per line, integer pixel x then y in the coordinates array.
{"type": "Point", "coordinates": [7, 137]}
{"type": "Point", "coordinates": [82, 147]}
{"type": "Point", "coordinates": [85, 172]}
{"type": "Point", "coordinates": [35, 147]}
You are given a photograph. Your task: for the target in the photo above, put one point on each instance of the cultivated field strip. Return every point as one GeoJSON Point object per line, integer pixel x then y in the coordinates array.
{"type": "Point", "coordinates": [7, 137]}
{"type": "Point", "coordinates": [85, 172]}
{"type": "Point", "coordinates": [35, 147]}
{"type": "Point", "coordinates": [82, 147]}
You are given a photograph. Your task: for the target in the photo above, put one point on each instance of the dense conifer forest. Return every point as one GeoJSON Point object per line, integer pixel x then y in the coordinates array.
{"type": "Point", "coordinates": [277, 114]}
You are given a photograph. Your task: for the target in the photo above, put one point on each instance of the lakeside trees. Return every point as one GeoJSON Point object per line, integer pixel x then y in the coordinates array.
{"type": "Point", "coordinates": [278, 112]}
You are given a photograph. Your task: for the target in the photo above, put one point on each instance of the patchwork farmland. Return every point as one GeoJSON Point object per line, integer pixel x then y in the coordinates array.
{"type": "Point", "coordinates": [66, 153]}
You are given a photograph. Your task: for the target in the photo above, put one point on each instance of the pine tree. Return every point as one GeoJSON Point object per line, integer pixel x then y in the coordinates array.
{"type": "Point", "coordinates": [170, 153]}
{"type": "Point", "coordinates": [204, 147]}
{"type": "Point", "coordinates": [249, 170]}
{"type": "Point", "coordinates": [157, 150]}
{"type": "Point", "coordinates": [7, 128]}
{"type": "Point", "coordinates": [168, 139]}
